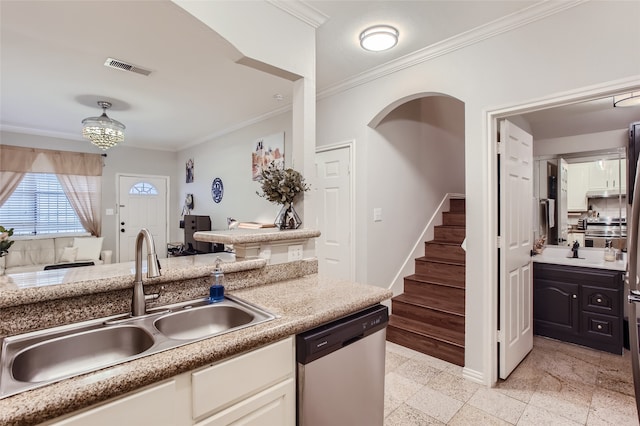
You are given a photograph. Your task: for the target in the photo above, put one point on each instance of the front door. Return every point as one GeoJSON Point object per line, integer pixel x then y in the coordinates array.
{"type": "Point", "coordinates": [516, 234]}
{"type": "Point", "coordinates": [142, 204]}
{"type": "Point", "coordinates": [333, 248]}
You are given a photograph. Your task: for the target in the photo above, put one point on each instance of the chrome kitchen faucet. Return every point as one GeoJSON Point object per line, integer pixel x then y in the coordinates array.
{"type": "Point", "coordinates": [139, 301]}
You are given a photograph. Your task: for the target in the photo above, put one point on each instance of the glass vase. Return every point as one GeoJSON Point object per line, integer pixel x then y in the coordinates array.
{"type": "Point", "coordinates": [287, 218]}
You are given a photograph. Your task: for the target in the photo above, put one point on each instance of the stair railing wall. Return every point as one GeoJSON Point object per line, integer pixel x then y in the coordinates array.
{"type": "Point", "coordinates": [408, 267]}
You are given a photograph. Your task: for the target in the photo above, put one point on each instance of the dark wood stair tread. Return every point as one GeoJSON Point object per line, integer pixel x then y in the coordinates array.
{"type": "Point", "coordinates": [427, 302]}
{"type": "Point", "coordinates": [428, 330]}
{"type": "Point", "coordinates": [441, 261]}
{"type": "Point", "coordinates": [422, 279]}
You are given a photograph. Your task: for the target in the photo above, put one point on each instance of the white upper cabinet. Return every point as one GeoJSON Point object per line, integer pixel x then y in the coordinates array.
{"type": "Point", "coordinates": [605, 175]}
{"type": "Point", "coordinates": [577, 186]}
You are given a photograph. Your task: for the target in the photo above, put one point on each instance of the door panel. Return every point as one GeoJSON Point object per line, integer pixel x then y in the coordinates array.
{"type": "Point", "coordinates": [142, 204]}
{"type": "Point", "coordinates": [333, 247]}
{"type": "Point", "coordinates": [516, 292]}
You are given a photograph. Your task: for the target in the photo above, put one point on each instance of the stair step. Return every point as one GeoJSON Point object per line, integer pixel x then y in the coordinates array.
{"type": "Point", "coordinates": [453, 218]}
{"type": "Point", "coordinates": [410, 308]}
{"type": "Point", "coordinates": [457, 205]}
{"type": "Point", "coordinates": [434, 295]}
{"type": "Point", "coordinates": [452, 234]}
{"type": "Point", "coordinates": [451, 273]}
{"type": "Point", "coordinates": [442, 250]}
{"type": "Point", "coordinates": [425, 339]}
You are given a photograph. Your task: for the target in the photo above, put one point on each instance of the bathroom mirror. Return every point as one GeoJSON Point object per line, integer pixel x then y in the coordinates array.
{"type": "Point", "coordinates": [581, 197]}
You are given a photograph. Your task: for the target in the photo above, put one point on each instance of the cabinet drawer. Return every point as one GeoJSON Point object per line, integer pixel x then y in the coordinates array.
{"type": "Point", "coordinates": [602, 300]}
{"type": "Point", "coordinates": [220, 385]}
{"type": "Point", "coordinates": [603, 328]}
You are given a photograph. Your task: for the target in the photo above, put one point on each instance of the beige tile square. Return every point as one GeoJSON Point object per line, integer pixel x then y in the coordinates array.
{"type": "Point", "coordinates": [522, 383]}
{"type": "Point", "coordinates": [497, 404]}
{"type": "Point", "coordinates": [536, 416]}
{"type": "Point", "coordinates": [393, 360]}
{"type": "Point", "coordinates": [417, 370]}
{"type": "Point", "coordinates": [400, 350]}
{"type": "Point", "coordinates": [564, 398]}
{"type": "Point", "coordinates": [397, 389]}
{"type": "Point", "coordinates": [435, 404]}
{"type": "Point", "coordinates": [612, 408]}
{"type": "Point", "coordinates": [453, 386]}
{"type": "Point", "coordinates": [409, 416]}
{"type": "Point", "coordinates": [433, 361]}
{"type": "Point", "coordinates": [469, 415]}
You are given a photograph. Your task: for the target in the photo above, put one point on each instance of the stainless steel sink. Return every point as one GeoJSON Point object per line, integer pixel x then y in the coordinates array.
{"type": "Point", "coordinates": [39, 358]}
{"type": "Point", "coordinates": [204, 321]}
{"type": "Point", "coordinates": [87, 350]}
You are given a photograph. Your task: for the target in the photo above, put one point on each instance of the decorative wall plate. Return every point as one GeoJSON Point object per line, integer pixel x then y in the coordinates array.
{"type": "Point", "coordinates": [217, 190]}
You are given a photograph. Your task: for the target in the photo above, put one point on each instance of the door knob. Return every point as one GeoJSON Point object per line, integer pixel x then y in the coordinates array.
{"type": "Point", "coordinates": [122, 230]}
{"type": "Point", "coordinates": [122, 223]}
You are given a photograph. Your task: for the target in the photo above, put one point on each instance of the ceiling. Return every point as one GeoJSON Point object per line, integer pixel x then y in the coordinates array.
{"type": "Point", "coordinates": [52, 73]}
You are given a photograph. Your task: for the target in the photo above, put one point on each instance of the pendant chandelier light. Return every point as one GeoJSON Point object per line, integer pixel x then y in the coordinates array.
{"type": "Point", "coordinates": [104, 132]}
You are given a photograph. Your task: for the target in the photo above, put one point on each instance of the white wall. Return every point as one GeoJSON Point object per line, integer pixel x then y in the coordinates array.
{"type": "Point", "coordinates": [120, 159]}
{"type": "Point", "coordinates": [581, 143]}
{"type": "Point", "coordinates": [229, 158]}
{"type": "Point", "coordinates": [586, 45]}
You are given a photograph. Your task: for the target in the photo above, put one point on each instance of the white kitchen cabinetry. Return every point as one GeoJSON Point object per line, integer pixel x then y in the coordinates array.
{"type": "Point", "coordinates": [577, 186]}
{"type": "Point", "coordinates": [605, 175]}
{"type": "Point", "coordinates": [254, 388]}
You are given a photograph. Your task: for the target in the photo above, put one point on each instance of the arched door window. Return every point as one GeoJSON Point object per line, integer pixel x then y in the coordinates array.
{"type": "Point", "coordinates": [143, 188]}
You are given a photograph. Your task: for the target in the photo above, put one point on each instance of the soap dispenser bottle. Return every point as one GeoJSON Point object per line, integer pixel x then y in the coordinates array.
{"type": "Point", "coordinates": [216, 291]}
{"type": "Point", "coordinates": [609, 252]}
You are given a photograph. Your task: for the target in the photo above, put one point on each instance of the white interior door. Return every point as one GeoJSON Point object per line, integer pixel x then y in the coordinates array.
{"type": "Point", "coordinates": [333, 248]}
{"type": "Point", "coordinates": [142, 204]}
{"type": "Point", "coordinates": [516, 275]}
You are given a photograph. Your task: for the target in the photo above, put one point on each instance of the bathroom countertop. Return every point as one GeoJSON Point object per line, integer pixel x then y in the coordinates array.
{"type": "Point", "coordinates": [588, 257]}
{"type": "Point", "coordinates": [244, 236]}
{"type": "Point", "coordinates": [299, 304]}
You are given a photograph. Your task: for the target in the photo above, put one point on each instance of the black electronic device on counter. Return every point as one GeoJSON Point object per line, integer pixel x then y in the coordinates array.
{"type": "Point", "coordinates": [193, 224]}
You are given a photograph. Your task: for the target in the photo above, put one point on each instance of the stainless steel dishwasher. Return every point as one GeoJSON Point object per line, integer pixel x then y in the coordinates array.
{"type": "Point", "coordinates": [341, 371]}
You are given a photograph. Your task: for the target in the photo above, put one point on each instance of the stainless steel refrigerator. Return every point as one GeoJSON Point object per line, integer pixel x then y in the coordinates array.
{"type": "Point", "coordinates": [633, 226]}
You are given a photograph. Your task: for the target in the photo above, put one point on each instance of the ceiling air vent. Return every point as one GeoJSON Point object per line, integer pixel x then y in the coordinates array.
{"type": "Point", "coordinates": [121, 65]}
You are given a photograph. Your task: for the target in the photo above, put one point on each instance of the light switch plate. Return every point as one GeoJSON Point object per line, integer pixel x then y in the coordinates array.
{"type": "Point", "coordinates": [377, 214]}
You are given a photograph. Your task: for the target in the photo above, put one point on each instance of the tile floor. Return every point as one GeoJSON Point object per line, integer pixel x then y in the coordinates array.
{"type": "Point", "coordinates": [556, 384]}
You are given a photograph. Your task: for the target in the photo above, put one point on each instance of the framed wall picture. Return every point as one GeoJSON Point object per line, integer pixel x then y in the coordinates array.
{"type": "Point", "coordinates": [189, 170]}
{"type": "Point", "coordinates": [266, 150]}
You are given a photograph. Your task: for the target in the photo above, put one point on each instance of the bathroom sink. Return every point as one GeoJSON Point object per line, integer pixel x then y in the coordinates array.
{"type": "Point", "coordinates": [38, 358]}
{"type": "Point", "coordinates": [78, 352]}
{"type": "Point", "coordinates": [207, 320]}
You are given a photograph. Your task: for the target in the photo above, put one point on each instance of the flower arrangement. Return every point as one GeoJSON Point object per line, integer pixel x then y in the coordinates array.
{"type": "Point", "coordinates": [5, 242]}
{"type": "Point", "coordinates": [281, 186]}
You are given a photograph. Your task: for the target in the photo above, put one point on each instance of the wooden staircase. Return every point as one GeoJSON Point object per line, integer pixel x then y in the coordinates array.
{"type": "Point", "coordinates": [429, 315]}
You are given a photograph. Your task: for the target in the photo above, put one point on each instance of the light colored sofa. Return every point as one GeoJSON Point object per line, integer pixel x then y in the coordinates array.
{"type": "Point", "coordinates": [27, 255]}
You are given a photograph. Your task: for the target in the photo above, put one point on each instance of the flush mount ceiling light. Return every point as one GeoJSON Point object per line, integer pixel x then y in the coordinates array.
{"type": "Point", "coordinates": [103, 131]}
{"type": "Point", "coordinates": [627, 100]}
{"type": "Point", "coordinates": [379, 38]}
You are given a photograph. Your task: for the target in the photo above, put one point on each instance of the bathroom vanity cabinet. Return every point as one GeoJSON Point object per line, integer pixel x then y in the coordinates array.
{"type": "Point", "coordinates": [579, 305]}
{"type": "Point", "coordinates": [257, 385]}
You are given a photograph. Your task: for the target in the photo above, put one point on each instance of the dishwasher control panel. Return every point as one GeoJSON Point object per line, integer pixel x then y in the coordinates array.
{"type": "Point", "coordinates": [337, 334]}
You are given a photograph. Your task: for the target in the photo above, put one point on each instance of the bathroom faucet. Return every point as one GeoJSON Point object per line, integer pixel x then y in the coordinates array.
{"type": "Point", "coordinates": [139, 302]}
{"type": "Point", "coordinates": [574, 249]}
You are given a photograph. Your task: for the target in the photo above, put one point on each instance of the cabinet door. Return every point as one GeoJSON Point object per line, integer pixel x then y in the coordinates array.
{"type": "Point", "coordinates": [556, 308]}
{"type": "Point", "coordinates": [577, 186]}
{"type": "Point", "coordinates": [598, 175]}
{"type": "Point", "coordinates": [156, 406]}
{"type": "Point", "coordinates": [273, 406]}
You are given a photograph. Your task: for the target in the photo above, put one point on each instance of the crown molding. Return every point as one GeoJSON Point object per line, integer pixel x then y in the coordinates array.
{"type": "Point", "coordinates": [301, 10]}
{"type": "Point", "coordinates": [237, 126]}
{"type": "Point", "coordinates": [40, 132]}
{"type": "Point", "coordinates": [508, 23]}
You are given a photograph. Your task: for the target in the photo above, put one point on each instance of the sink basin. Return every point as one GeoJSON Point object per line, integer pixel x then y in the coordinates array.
{"type": "Point", "coordinates": [79, 352]}
{"type": "Point", "coordinates": [195, 323]}
{"type": "Point", "coordinates": [38, 358]}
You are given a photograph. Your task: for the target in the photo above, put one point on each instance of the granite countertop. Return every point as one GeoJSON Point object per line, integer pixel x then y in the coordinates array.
{"type": "Point", "coordinates": [244, 236]}
{"type": "Point", "coordinates": [299, 304]}
{"type": "Point", "coordinates": [589, 257]}
{"type": "Point", "coordinates": [31, 287]}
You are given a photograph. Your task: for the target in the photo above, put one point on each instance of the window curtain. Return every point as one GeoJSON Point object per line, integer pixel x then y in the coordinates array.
{"type": "Point", "coordinates": [80, 176]}
{"type": "Point", "coordinates": [14, 163]}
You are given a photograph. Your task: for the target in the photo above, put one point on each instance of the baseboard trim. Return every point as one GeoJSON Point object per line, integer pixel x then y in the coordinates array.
{"type": "Point", "coordinates": [473, 375]}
